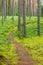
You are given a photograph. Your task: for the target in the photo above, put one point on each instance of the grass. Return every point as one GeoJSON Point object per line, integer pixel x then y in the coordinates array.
{"type": "Point", "coordinates": [6, 47]}
{"type": "Point", "coordinates": [34, 47]}
{"type": "Point", "coordinates": [32, 43]}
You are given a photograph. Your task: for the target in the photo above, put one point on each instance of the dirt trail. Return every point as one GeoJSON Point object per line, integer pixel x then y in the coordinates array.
{"type": "Point", "coordinates": [25, 58]}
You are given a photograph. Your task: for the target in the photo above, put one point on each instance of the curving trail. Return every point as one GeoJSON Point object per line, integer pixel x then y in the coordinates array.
{"type": "Point", "coordinates": [25, 58]}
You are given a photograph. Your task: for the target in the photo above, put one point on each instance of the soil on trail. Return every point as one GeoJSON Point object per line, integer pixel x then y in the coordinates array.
{"type": "Point", "coordinates": [25, 58]}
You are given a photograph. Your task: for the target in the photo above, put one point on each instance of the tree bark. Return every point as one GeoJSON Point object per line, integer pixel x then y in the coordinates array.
{"type": "Point", "coordinates": [19, 16]}
{"type": "Point", "coordinates": [4, 9]}
{"type": "Point", "coordinates": [13, 10]}
{"type": "Point", "coordinates": [30, 12]}
{"type": "Point", "coordinates": [38, 14]}
{"type": "Point", "coordinates": [24, 18]}
{"type": "Point", "coordinates": [27, 7]}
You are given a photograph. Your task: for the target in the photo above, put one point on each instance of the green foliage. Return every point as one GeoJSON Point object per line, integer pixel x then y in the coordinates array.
{"type": "Point", "coordinates": [31, 27]}
{"type": "Point", "coordinates": [7, 49]}
{"type": "Point", "coordinates": [33, 43]}
{"type": "Point", "coordinates": [34, 47]}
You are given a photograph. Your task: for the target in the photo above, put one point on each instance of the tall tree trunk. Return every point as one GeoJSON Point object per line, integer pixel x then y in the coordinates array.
{"type": "Point", "coordinates": [19, 14]}
{"type": "Point", "coordinates": [21, 7]}
{"type": "Point", "coordinates": [24, 18]}
{"type": "Point", "coordinates": [30, 12]}
{"type": "Point", "coordinates": [7, 7]}
{"type": "Point", "coordinates": [4, 9]}
{"type": "Point", "coordinates": [13, 10]}
{"type": "Point", "coordinates": [27, 7]}
{"type": "Point", "coordinates": [33, 6]}
{"type": "Point", "coordinates": [38, 14]}
{"type": "Point", "coordinates": [2, 13]}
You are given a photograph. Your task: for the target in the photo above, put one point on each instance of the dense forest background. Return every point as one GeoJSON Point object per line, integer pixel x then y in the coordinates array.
{"type": "Point", "coordinates": [21, 32]}
{"type": "Point", "coordinates": [9, 9]}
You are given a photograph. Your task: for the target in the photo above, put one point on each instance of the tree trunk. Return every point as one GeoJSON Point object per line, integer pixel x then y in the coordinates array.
{"type": "Point", "coordinates": [19, 16]}
{"type": "Point", "coordinates": [24, 18]}
{"type": "Point", "coordinates": [27, 7]}
{"type": "Point", "coordinates": [13, 10]}
{"type": "Point", "coordinates": [2, 13]}
{"type": "Point", "coordinates": [38, 14]}
{"type": "Point", "coordinates": [30, 12]}
{"type": "Point", "coordinates": [4, 9]}
{"type": "Point", "coordinates": [33, 6]}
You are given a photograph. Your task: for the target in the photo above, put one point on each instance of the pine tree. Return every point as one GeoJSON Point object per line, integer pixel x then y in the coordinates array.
{"type": "Point", "coordinates": [38, 14]}
{"type": "Point", "coordinates": [24, 18]}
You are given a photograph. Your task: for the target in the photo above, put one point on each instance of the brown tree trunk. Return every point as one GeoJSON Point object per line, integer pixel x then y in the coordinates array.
{"type": "Point", "coordinates": [19, 16]}
{"type": "Point", "coordinates": [38, 14]}
{"type": "Point", "coordinates": [4, 9]}
{"type": "Point", "coordinates": [27, 7]}
{"type": "Point", "coordinates": [30, 12]}
{"type": "Point", "coordinates": [24, 18]}
{"type": "Point", "coordinates": [33, 6]}
{"type": "Point", "coordinates": [13, 10]}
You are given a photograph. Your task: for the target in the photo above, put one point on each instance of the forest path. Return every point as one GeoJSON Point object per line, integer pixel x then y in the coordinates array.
{"type": "Point", "coordinates": [25, 58]}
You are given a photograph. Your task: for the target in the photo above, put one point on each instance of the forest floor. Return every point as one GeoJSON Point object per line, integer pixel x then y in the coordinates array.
{"type": "Point", "coordinates": [17, 50]}
{"type": "Point", "coordinates": [25, 58]}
